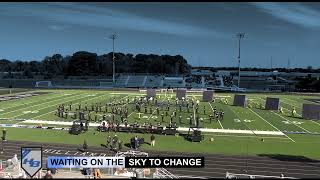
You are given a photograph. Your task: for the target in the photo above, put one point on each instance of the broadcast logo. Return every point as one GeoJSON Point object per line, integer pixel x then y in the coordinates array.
{"type": "Point", "coordinates": [31, 160]}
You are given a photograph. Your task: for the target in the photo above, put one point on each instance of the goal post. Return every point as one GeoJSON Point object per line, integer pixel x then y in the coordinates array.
{"type": "Point", "coordinates": [43, 84]}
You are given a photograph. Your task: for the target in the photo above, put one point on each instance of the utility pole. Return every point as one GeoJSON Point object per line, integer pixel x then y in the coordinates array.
{"type": "Point", "coordinates": [271, 64]}
{"type": "Point", "coordinates": [288, 63]}
{"type": "Point", "coordinates": [239, 36]}
{"type": "Point", "coordinates": [113, 37]}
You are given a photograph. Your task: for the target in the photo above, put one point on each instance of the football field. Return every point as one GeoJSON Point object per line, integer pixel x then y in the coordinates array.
{"type": "Point", "coordinates": [238, 123]}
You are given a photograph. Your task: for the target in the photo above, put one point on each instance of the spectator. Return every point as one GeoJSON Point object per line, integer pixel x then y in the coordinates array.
{"type": "Point", "coordinates": [85, 146]}
{"type": "Point", "coordinates": [54, 171]}
{"type": "Point", "coordinates": [136, 142]}
{"type": "Point", "coordinates": [81, 126]}
{"type": "Point", "coordinates": [87, 171]}
{"type": "Point", "coordinates": [48, 175]}
{"type": "Point", "coordinates": [120, 145]}
{"type": "Point", "coordinates": [97, 174]}
{"type": "Point", "coordinates": [153, 141]}
{"type": "Point", "coordinates": [4, 134]}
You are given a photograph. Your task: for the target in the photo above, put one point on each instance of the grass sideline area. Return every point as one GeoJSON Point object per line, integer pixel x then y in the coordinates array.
{"type": "Point", "coordinates": [307, 145]}
{"type": "Point", "coordinates": [43, 107]}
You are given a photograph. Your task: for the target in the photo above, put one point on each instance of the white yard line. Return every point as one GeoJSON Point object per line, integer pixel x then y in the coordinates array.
{"type": "Point", "coordinates": [72, 104]}
{"type": "Point", "coordinates": [291, 105]}
{"type": "Point", "coordinates": [295, 101]}
{"type": "Point", "coordinates": [240, 118]}
{"type": "Point", "coordinates": [35, 105]}
{"type": "Point", "coordinates": [218, 119]}
{"type": "Point", "coordinates": [194, 111]}
{"type": "Point", "coordinates": [290, 121]}
{"type": "Point", "coordinates": [130, 113]}
{"type": "Point", "coordinates": [288, 104]}
{"type": "Point", "coordinates": [151, 115]}
{"type": "Point", "coordinates": [50, 105]}
{"type": "Point", "coordinates": [78, 103]}
{"type": "Point", "coordinates": [270, 124]}
{"type": "Point", "coordinates": [290, 111]}
{"type": "Point", "coordinates": [137, 94]}
{"type": "Point", "coordinates": [234, 131]}
{"type": "Point", "coordinates": [223, 96]}
{"type": "Point", "coordinates": [30, 102]}
{"type": "Point", "coordinates": [315, 122]}
{"type": "Point", "coordinates": [226, 135]}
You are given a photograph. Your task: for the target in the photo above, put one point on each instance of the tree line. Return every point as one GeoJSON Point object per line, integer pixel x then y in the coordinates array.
{"type": "Point", "coordinates": [308, 69]}
{"type": "Point", "coordinates": [83, 63]}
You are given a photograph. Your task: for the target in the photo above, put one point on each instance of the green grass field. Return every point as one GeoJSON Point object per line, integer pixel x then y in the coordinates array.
{"type": "Point", "coordinates": [7, 91]}
{"type": "Point", "coordinates": [43, 107]}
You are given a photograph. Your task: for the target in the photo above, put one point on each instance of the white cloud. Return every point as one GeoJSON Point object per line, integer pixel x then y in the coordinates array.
{"type": "Point", "coordinates": [56, 27]}
{"type": "Point", "coordinates": [292, 12]}
{"type": "Point", "coordinates": [86, 15]}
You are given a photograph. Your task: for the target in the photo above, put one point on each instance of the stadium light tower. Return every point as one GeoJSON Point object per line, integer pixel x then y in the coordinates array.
{"type": "Point", "coordinates": [239, 36]}
{"type": "Point", "coordinates": [113, 37]}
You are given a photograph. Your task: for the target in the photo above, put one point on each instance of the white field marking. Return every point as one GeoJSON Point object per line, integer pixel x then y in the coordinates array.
{"type": "Point", "coordinates": [238, 116]}
{"type": "Point", "coordinates": [223, 96]}
{"type": "Point", "coordinates": [76, 104]}
{"type": "Point", "coordinates": [291, 105]}
{"type": "Point", "coordinates": [47, 106]}
{"type": "Point", "coordinates": [229, 135]}
{"type": "Point", "coordinates": [29, 102]}
{"type": "Point", "coordinates": [218, 119]}
{"type": "Point", "coordinates": [315, 122]}
{"type": "Point", "coordinates": [136, 94]}
{"type": "Point", "coordinates": [117, 101]}
{"type": "Point", "coordinates": [196, 177]}
{"type": "Point", "coordinates": [28, 112]}
{"type": "Point", "coordinates": [236, 131]}
{"type": "Point", "coordinates": [65, 102]}
{"type": "Point", "coordinates": [194, 112]}
{"type": "Point", "coordinates": [151, 115]}
{"type": "Point", "coordinates": [263, 119]}
{"type": "Point", "coordinates": [295, 101]}
{"type": "Point", "coordinates": [290, 121]}
{"type": "Point", "coordinates": [127, 102]}
{"type": "Point", "coordinates": [38, 105]}
{"type": "Point", "coordinates": [130, 114]}
{"type": "Point", "coordinates": [232, 131]}
{"type": "Point", "coordinates": [261, 99]}
{"type": "Point", "coordinates": [271, 124]}
{"type": "Point", "coordinates": [290, 111]}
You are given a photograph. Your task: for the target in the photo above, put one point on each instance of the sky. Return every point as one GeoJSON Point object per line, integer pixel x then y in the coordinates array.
{"type": "Point", "coordinates": [203, 33]}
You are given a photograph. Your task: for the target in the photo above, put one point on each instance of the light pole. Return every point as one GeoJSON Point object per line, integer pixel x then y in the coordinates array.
{"type": "Point", "coordinates": [113, 37]}
{"type": "Point", "coordinates": [239, 36]}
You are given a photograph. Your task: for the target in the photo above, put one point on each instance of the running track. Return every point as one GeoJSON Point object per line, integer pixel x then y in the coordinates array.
{"type": "Point", "coordinates": [216, 165]}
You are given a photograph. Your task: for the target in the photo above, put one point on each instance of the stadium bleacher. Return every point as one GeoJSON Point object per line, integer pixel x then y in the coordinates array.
{"type": "Point", "coordinates": [174, 82]}
{"type": "Point", "coordinates": [153, 81]}
{"type": "Point", "coordinates": [122, 80]}
{"type": "Point", "coordinates": [136, 81]}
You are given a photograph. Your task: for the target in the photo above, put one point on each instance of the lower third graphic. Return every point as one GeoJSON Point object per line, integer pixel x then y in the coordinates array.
{"type": "Point", "coordinates": [31, 160]}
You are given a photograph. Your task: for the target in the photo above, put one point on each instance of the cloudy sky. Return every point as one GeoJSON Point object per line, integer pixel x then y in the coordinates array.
{"type": "Point", "coordinates": [204, 33]}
